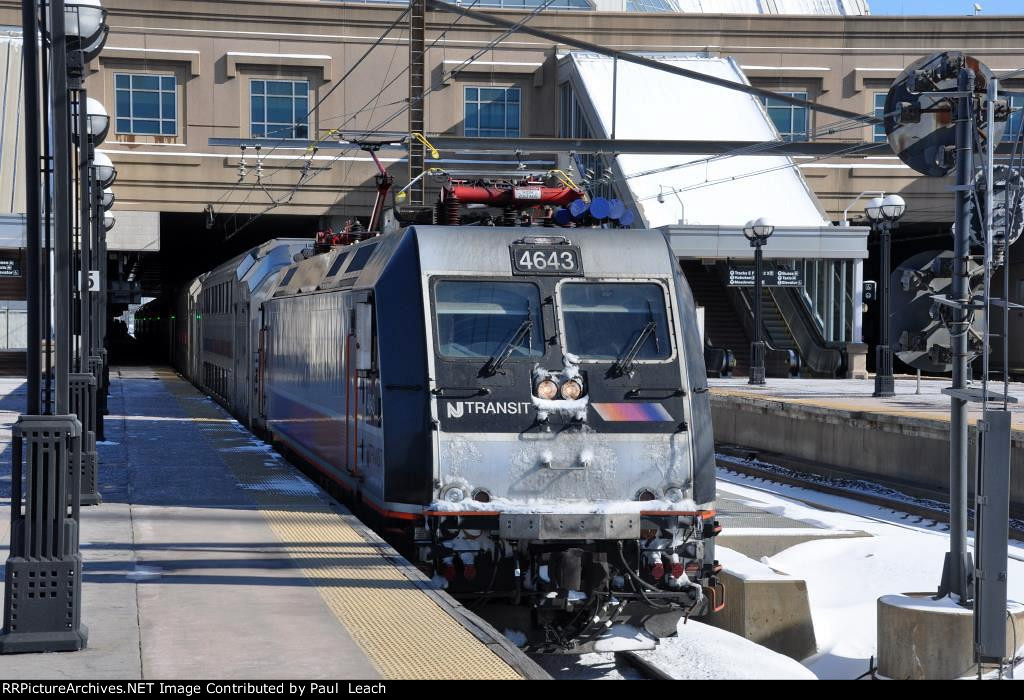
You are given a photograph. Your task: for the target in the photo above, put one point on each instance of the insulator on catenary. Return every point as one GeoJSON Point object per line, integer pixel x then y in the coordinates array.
{"type": "Point", "coordinates": [451, 211]}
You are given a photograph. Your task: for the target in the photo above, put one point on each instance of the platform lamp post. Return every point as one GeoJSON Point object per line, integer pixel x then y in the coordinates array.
{"type": "Point", "coordinates": [883, 213]}
{"type": "Point", "coordinates": [86, 21]}
{"type": "Point", "coordinates": [104, 201]}
{"type": "Point", "coordinates": [43, 573]}
{"type": "Point", "coordinates": [757, 231]}
{"type": "Point", "coordinates": [91, 126]}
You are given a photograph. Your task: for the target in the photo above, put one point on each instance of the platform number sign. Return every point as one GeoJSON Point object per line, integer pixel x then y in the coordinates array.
{"type": "Point", "coordinates": [91, 279]}
{"type": "Point", "coordinates": [545, 260]}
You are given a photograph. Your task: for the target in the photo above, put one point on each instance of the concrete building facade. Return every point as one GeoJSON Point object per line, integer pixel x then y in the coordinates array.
{"type": "Point", "coordinates": [211, 55]}
{"type": "Point", "coordinates": [175, 74]}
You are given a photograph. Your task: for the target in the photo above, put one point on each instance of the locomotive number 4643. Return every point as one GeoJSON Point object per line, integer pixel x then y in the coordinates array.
{"type": "Point", "coordinates": [546, 260]}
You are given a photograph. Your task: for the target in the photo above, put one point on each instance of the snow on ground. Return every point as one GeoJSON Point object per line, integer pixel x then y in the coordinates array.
{"type": "Point", "coordinates": [624, 638]}
{"type": "Point", "coordinates": [846, 576]}
{"type": "Point", "coordinates": [697, 652]}
{"type": "Point", "coordinates": [703, 652]}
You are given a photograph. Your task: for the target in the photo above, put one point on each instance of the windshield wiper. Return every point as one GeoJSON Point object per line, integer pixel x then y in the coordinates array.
{"type": "Point", "coordinates": [496, 360]}
{"type": "Point", "coordinates": [624, 365]}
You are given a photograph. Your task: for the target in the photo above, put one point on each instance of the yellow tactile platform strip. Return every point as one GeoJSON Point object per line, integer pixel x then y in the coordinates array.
{"type": "Point", "coordinates": [402, 630]}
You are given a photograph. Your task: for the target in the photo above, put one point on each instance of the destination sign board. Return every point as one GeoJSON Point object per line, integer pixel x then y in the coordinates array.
{"type": "Point", "coordinates": [744, 277]}
{"type": "Point", "coordinates": [10, 267]}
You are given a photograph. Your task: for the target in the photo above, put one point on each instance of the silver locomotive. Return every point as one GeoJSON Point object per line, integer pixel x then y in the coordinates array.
{"type": "Point", "coordinates": [527, 405]}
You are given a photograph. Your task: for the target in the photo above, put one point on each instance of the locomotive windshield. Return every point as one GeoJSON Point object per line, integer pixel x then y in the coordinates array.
{"type": "Point", "coordinates": [481, 319]}
{"type": "Point", "coordinates": [610, 320]}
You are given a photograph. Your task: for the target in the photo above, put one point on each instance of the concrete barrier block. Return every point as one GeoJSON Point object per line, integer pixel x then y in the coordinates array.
{"type": "Point", "coordinates": [924, 639]}
{"type": "Point", "coordinates": [773, 612]}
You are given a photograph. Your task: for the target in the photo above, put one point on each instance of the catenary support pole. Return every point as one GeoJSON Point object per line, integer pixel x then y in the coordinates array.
{"type": "Point", "coordinates": [956, 576]}
{"type": "Point", "coordinates": [417, 68]}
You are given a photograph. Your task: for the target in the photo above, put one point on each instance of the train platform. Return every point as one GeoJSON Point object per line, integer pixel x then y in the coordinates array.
{"type": "Point", "coordinates": [911, 402]}
{"type": "Point", "coordinates": [212, 557]}
{"type": "Point", "coordinates": [836, 427]}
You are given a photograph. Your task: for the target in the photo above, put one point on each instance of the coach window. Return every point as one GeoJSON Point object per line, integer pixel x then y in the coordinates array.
{"type": "Point", "coordinates": [604, 320]}
{"type": "Point", "coordinates": [476, 319]}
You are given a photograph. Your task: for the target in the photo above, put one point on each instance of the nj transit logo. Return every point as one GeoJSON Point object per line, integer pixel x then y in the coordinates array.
{"type": "Point", "coordinates": [458, 409]}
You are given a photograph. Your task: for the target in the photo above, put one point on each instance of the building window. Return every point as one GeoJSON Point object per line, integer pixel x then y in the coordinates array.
{"type": "Point", "coordinates": [1013, 124]}
{"type": "Point", "coordinates": [878, 130]}
{"type": "Point", "coordinates": [146, 104]}
{"type": "Point", "coordinates": [492, 111]}
{"type": "Point", "coordinates": [790, 120]}
{"type": "Point", "coordinates": [280, 108]}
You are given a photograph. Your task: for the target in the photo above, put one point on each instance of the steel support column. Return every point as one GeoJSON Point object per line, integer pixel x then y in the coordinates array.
{"type": "Point", "coordinates": [956, 576]}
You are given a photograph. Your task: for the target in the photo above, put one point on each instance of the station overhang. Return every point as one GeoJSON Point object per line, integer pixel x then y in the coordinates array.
{"type": "Point", "coordinates": [703, 242]}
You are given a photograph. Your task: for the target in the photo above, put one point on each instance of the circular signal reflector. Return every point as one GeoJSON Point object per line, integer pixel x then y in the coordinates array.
{"type": "Point", "coordinates": [920, 124]}
{"type": "Point", "coordinates": [578, 207]}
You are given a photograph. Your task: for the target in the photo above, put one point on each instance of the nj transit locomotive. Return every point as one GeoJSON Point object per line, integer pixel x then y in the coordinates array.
{"type": "Point", "coordinates": [529, 404]}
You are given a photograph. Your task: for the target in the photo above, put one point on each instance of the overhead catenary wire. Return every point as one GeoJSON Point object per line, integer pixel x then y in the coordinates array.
{"type": "Point", "coordinates": [321, 100]}
{"type": "Point", "coordinates": [852, 120]}
{"type": "Point", "coordinates": [349, 117]}
{"type": "Point", "coordinates": [475, 56]}
{"type": "Point", "coordinates": [852, 149]}
{"type": "Point", "coordinates": [366, 106]}
{"type": "Point", "coordinates": [752, 149]}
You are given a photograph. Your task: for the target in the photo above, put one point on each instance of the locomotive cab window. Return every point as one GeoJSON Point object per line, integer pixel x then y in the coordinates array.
{"type": "Point", "coordinates": [605, 321]}
{"type": "Point", "coordinates": [477, 319]}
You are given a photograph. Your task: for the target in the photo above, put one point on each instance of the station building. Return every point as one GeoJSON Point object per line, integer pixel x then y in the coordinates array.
{"type": "Point", "coordinates": [174, 75]}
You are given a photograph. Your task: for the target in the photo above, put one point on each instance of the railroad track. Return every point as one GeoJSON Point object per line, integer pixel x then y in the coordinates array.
{"type": "Point", "coordinates": [900, 503]}
{"type": "Point", "coordinates": [644, 667]}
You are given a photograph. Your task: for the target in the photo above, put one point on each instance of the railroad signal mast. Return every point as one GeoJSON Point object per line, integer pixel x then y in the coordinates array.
{"type": "Point", "coordinates": [942, 114]}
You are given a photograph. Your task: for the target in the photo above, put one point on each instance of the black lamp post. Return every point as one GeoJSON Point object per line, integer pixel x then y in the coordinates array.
{"type": "Point", "coordinates": [884, 212]}
{"type": "Point", "coordinates": [757, 232]}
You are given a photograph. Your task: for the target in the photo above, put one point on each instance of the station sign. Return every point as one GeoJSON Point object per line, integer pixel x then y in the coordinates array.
{"type": "Point", "coordinates": [10, 267]}
{"type": "Point", "coordinates": [744, 277]}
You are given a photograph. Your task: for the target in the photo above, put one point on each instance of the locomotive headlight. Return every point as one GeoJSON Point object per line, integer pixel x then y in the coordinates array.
{"type": "Point", "coordinates": [674, 494]}
{"type": "Point", "coordinates": [571, 390]}
{"type": "Point", "coordinates": [546, 389]}
{"type": "Point", "coordinates": [453, 494]}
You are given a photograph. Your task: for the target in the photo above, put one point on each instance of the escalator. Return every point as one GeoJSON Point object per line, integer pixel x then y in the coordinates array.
{"type": "Point", "coordinates": [723, 332]}
{"type": "Point", "coordinates": [795, 343]}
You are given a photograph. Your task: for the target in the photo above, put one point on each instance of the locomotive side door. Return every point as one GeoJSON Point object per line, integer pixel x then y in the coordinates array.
{"type": "Point", "coordinates": [362, 396]}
